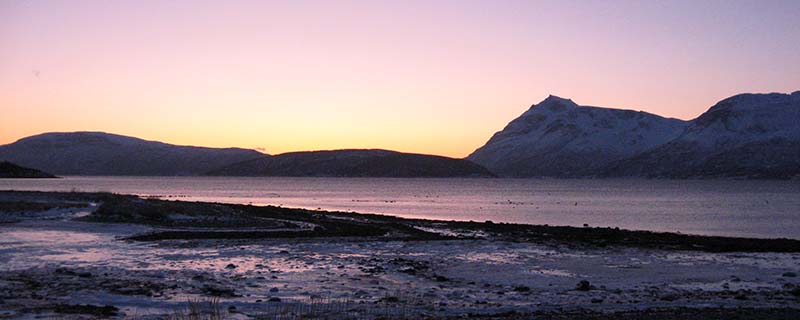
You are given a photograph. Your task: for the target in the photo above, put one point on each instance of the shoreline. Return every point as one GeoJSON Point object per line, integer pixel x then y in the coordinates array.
{"type": "Point", "coordinates": [760, 209]}
{"type": "Point", "coordinates": [281, 222]}
{"type": "Point", "coordinates": [70, 255]}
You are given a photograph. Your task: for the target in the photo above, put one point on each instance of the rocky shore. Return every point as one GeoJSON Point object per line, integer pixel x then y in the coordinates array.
{"type": "Point", "coordinates": [99, 255]}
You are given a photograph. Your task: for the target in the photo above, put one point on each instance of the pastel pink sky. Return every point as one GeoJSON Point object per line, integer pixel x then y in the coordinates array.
{"type": "Point", "coordinates": [433, 77]}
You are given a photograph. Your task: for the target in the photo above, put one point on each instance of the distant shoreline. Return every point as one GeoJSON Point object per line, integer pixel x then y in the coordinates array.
{"type": "Point", "coordinates": [183, 220]}
{"type": "Point", "coordinates": [740, 208]}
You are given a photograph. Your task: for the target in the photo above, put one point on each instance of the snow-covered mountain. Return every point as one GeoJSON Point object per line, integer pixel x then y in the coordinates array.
{"type": "Point", "coordinates": [558, 138]}
{"type": "Point", "coordinates": [98, 153]}
{"type": "Point", "coordinates": [747, 135]}
{"type": "Point", "coordinates": [355, 163]}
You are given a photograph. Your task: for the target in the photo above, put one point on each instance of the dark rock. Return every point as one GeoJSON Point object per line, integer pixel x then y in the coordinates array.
{"type": "Point", "coordinates": [133, 291]}
{"type": "Point", "coordinates": [669, 297]}
{"type": "Point", "coordinates": [584, 286]}
{"type": "Point", "coordinates": [789, 274]}
{"type": "Point", "coordinates": [99, 311]}
{"type": "Point", "coordinates": [441, 279]}
{"type": "Point", "coordinates": [230, 266]}
{"type": "Point", "coordinates": [274, 289]}
{"type": "Point", "coordinates": [408, 266]}
{"type": "Point", "coordinates": [597, 300]}
{"type": "Point", "coordinates": [389, 299]}
{"type": "Point", "coordinates": [219, 292]}
{"type": "Point", "coordinates": [522, 289]}
{"type": "Point", "coordinates": [65, 271]}
{"type": "Point", "coordinates": [274, 299]}
{"type": "Point", "coordinates": [373, 270]}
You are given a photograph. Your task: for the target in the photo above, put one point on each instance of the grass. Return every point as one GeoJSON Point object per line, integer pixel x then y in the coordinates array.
{"type": "Point", "coordinates": [390, 307]}
{"type": "Point", "coordinates": [210, 309]}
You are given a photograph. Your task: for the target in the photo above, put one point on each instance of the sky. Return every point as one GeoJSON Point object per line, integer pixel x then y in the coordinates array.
{"type": "Point", "coordinates": [435, 77]}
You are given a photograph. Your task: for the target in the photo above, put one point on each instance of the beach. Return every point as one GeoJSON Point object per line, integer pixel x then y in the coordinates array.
{"type": "Point", "coordinates": [71, 260]}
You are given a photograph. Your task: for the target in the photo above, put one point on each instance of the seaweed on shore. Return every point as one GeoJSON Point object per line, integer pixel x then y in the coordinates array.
{"type": "Point", "coordinates": [604, 236]}
{"type": "Point", "coordinates": [99, 311]}
{"type": "Point", "coordinates": [200, 220]}
{"type": "Point", "coordinates": [29, 206]}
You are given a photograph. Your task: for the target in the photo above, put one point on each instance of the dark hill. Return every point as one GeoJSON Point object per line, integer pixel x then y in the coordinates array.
{"type": "Point", "coordinates": [98, 153]}
{"type": "Point", "coordinates": [355, 163]}
{"type": "Point", "coordinates": [10, 170]}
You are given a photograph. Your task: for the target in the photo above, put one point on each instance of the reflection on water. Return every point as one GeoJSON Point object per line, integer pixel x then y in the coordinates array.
{"type": "Point", "coordinates": [31, 247]}
{"type": "Point", "coordinates": [41, 237]}
{"type": "Point", "coordinates": [738, 208]}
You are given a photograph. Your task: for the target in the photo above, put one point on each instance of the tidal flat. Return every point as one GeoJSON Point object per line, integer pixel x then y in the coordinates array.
{"type": "Point", "coordinates": [101, 255]}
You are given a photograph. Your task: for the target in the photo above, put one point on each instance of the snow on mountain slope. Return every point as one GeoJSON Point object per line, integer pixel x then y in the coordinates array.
{"type": "Point", "coordinates": [559, 138]}
{"type": "Point", "coordinates": [747, 135]}
{"type": "Point", "coordinates": [98, 153]}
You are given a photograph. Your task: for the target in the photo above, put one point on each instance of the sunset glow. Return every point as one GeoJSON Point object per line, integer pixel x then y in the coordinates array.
{"type": "Point", "coordinates": [435, 77]}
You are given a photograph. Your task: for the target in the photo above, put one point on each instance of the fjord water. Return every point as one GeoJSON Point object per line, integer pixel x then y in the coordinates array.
{"type": "Point", "coordinates": [747, 208]}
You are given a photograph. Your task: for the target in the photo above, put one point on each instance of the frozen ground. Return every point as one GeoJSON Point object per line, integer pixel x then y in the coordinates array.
{"type": "Point", "coordinates": [52, 262]}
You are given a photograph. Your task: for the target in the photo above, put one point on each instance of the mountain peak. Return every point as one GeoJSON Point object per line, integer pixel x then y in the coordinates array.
{"type": "Point", "coordinates": [556, 99]}
{"type": "Point", "coordinates": [552, 97]}
{"type": "Point", "coordinates": [755, 100]}
{"type": "Point", "coordinates": [555, 103]}
{"type": "Point", "coordinates": [557, 137]}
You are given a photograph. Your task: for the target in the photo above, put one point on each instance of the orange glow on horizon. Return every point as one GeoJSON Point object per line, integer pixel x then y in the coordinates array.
{"type": "Point", "coordinates": [426, 77]}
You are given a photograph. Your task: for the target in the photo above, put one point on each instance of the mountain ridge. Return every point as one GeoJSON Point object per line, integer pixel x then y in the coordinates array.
{"type": "Point", "coordinates": [747, 135]}
{"type": "Point", "coordinates": [100, 153]}
{"type": "Point", "coordinates": [355, 163]}
{"type": "Point", "coordinates": [557, 137]}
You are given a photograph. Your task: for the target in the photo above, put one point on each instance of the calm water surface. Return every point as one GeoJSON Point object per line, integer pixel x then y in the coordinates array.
{"type": "Point", "coordinates": [734, 208]}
